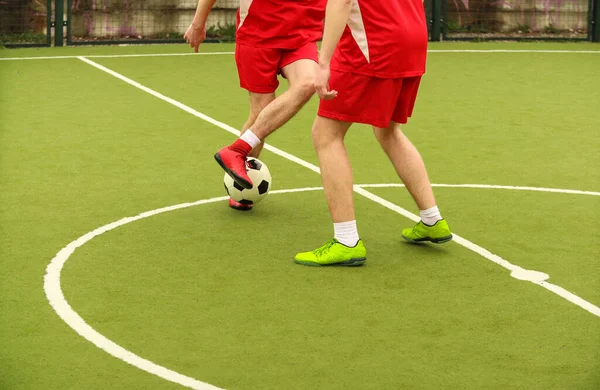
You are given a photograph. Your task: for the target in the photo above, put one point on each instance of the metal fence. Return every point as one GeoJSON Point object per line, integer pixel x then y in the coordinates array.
{"type": "Point", "coordinates": [25, 23]}
{"type": "Point", "coordinates": [518, 19]}
{"type": "Point", "coordinates": [143, 21]}
{"type": "Point", "coordinates": [85, 22]}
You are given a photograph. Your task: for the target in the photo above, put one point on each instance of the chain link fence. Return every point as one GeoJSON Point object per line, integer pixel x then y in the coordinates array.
{"type": "Point", "coordinates": [142, 21]}
{"type": "Point", "coordinates": [25, 22]}
{"type": "Point", "coordinates": [31, 22]}
{"type": "Point", "coordinates": [517, 19]}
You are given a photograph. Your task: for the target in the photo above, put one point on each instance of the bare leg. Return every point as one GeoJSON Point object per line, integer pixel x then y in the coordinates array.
{"type": "Point", "coordinates": [336, 172]}
{"type": "Point", "coordinates": [232, 158]}
{"type": "Point", "coordinates": [408, 164]}
{"type": "Point", "coordinates": [301, 76]}
{"type": "Point", "coordinates": [258, 101]}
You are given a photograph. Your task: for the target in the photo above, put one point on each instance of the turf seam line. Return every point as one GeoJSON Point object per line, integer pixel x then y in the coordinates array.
{"type": "Point", "coordinates": [483, 51]}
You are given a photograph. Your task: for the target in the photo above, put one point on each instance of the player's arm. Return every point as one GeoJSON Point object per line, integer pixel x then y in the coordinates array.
{"type": "Point", "coordinates": [196, 32]}
{"type": "Point", "coordinates": [202, 11]}
{"type": "Point", "coordinates": [336, 18]}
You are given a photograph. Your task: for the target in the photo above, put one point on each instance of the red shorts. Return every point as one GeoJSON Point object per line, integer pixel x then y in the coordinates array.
{"type": "Point", "coordinates": [370, 100]}
{"type": "Point", "coordinates": [258, 67]}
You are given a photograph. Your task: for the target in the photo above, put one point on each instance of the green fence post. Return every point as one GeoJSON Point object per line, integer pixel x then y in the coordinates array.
{"type": "Point", "coordinates": [436, 20]}
{"type": "Point", "coordinates": [59, 9]}
{"type": "Point", "coordinates": [69, 8]}
{"type": "Point", "coordinates": [595, 24]}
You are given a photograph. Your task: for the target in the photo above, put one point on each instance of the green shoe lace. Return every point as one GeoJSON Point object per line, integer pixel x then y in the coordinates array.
{"type": "Point", "coordinates": [325, 247]}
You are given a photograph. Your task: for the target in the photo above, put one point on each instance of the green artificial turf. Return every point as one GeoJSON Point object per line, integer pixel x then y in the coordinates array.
{"type": "Point", "coordinates": [213, 294]}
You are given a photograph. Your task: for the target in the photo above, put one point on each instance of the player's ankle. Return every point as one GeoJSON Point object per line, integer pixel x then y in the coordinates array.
{"type": "Point", "coordinates": [346, 233]}
{"type": "Point", "coordinates": [430, 216]}
{"type": "Point", "coordinates": [241, 146]}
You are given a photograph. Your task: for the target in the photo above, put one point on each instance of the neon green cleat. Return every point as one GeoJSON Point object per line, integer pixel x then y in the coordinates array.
{"type": "Point", "coordinates": [334, 253]}
{"type": "Point", "coordinates": [438, 233]}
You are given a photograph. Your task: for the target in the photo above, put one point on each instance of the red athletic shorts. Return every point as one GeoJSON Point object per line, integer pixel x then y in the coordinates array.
{"type": "Point", "coordinates": [258, 67]}
{"type": "Point", "coordinates": [370, 100]}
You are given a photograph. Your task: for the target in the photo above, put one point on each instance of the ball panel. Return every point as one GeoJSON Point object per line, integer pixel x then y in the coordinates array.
{"type": "Point", "coordinates": [263, 187]}
{"type": "Point", "coordinates": [254, 164]}
{"type": "Point", "coordinates": [228, 181]}
{"type": "Point", "coordinates": [237, 186]}
{"type": "Point", "coordinates": [236, 194]}
{"type": "Point", "coordinates": [258, 173]}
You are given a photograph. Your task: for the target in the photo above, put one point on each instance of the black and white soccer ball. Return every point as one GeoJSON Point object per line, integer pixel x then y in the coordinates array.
{"type": "Point", "coordinates": [261, 178]}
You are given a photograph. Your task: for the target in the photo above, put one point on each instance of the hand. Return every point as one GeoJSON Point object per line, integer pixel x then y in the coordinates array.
{"type": "Point", "coordinates": [322, 83]}
{"type": "Point", "coordinates": [195, 35]}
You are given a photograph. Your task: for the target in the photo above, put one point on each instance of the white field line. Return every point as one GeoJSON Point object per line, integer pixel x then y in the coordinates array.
{"type": "Point", "coordinates": [54, 293]}
{"type": "Point", "coordinates": [477, 249]}
{"type": "Point", "coordinates": [63, 309]}
{"type": "Point", "coordinates": [196, 113]}
{"type": "Point", "coordinates": [491, 186]}
{"type": "Point", "coordinates": [216, 53]}
{"type": "Point", "coordinates": [515, 269]}
{"type": "Point", "coordinates": [55, 296]}
{"type": "Point", "coordinates": [466, 243]}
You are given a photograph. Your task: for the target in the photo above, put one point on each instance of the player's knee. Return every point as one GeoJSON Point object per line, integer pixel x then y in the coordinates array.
{"type": "Point", "coordinates": [258, 102]}
{"type": "Point", "coordinates": [381, 134]}
{"type": "Point", "coordinates": [306, 88]}
{"type": "Point", "coordinates": [386, 135]}
{"type": "Point", "coordinates": [322, 137]}
{"type": "Point", "coordinates": [317, 137]}
{"type": "Point", "coordinates": [252, 118]}
{"type": "Point", "coordinates": [254, 113]}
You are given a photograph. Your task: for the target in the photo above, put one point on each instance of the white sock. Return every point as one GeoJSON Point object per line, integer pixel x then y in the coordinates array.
{"type": "Point", "coordinates": [346, 233]}
{"type": "Point", "coordinates": [431, 216]}
{"type": "Point", "coordinates": [250, 138]}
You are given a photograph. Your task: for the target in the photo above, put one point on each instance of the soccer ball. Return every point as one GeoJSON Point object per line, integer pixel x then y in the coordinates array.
{"type": "Point", "coordinates": [261, 178]}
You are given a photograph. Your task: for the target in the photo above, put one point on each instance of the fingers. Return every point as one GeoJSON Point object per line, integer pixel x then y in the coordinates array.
{"type": "Point", "coordinates": [324, 92]}
{"type": "Point", "coordinates": [332, 95]}
{"type": "Point", "coordinates": [328, 95]}
{"type": "Point", "coordinates": [194, 44]}
{"type": "Point", "coordinates": [193, 40]}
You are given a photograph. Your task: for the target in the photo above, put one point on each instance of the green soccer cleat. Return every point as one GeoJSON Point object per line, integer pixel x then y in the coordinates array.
{"type": "Point", "coordinates": [438, 233]}
{"type": "Point", "coordinates": [334, 253]}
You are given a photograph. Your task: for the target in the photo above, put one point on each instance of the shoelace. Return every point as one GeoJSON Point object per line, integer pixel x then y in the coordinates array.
{"type": "Point", "coordinates": [243, 161]}
{"type": "Point", "coordinates": [414, 229]}
{"type": "Point", "coordinates": [324, 248]}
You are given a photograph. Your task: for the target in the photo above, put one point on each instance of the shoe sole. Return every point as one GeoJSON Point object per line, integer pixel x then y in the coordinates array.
{"type": "Point", "coordinates": [241, 208]}
{"type": "Point", "coordinates": [240, 180]}
{"type": "Point", "coordinates": [348, 263]}
{"type": "Point", "coordinates": [441, 240]}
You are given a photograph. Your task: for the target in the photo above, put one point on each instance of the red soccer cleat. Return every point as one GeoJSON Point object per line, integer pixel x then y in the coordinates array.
{"type": "Point", "coordinates": [234, 163]}
{"type": "Point", "coordinates": [247, 205]}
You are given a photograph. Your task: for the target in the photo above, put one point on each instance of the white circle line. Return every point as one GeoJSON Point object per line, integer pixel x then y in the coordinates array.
{"type": "Point", "coordinates": [56, 298]}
